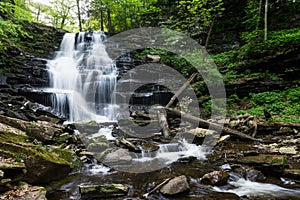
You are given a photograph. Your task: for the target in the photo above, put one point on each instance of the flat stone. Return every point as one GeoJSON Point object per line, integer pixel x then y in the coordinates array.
{"type": "Point", "coordinates": [293, 173]}
{"type": "Point", "coordinates": [265, 159]}
{"type": "Point", "coordinates": [288, 150]}
{"type": "Point", "coordinates": [106, 190]}
{"type": "Point", "coordinates": [117, 156]}
{"type": "Point", "coordinates": [175, 186]}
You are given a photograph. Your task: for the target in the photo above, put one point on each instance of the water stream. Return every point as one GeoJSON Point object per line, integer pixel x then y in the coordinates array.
{"type": "Point", "coordinates": [83, 78]}
{"type": "Point", "coordinates": [83, 81]}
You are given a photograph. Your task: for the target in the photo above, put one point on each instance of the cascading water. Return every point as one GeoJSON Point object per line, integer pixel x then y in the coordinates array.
{"type": "Point", "coordinates": [83, 78]}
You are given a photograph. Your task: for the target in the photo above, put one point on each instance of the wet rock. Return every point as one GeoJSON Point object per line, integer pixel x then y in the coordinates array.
{"type": "Point", "coordinates": [105, 191]}
{"type": "Point", "coordinates": [287, 150]}
{"type": "Point", "coordinates": [217, 178]}
{"type": "Point", "coordinates": [42, 164]}
{"type": "Point", "coordinates": [149, 147]}
{"type": "Point", "coordinates": [42, 131]}
{"type": "Point", "coordinates": [292, 173]}
{"type": "Point", "coordinates": [253, 174]}
{"type": "Point", "coordinates": [87, 127]}
{"type": "Point", "coordinates": [175, 186]}
{"type": "Point", "coordinates": [98, 144]}
{"type": "Point", "coordinates": [115, 156]}
{"type": "Point", "coordinates": [25, 192]}
{"type": "Point", "coordinates": [46, 118]}
{"type": "Point", "coordinates": [278, 161]}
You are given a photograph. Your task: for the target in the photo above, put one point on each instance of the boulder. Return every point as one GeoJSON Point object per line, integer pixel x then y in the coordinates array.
{"type": "Point", "coordinates": [97, 144]}
{"type": "Point", "coordinates": [175, 186]}
{"type": "Point", "coordinates": [275, 161]}
{"type": "Point", "coordinates": [42, 131]}
{"type": "Point", "coordinates": [42, 164]}
{"type": "Point", "coordinates": [115, 156]}
{"type": "Point", "coordinates": [103, 191]}
{"type": "Point", "coordinates": [217, 178]}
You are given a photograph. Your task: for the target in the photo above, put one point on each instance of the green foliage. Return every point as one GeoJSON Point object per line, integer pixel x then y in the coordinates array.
{"type": "Point", "coordinates": [255, 49]}
{"type": "Point", "coordinates": [10, 30]}
{"type": "Point", "coordinates": [194, 17]}
{"type": "Point", "coordinates": [124, 14]}
{"type": "Point", "coordinates": [283, 105]}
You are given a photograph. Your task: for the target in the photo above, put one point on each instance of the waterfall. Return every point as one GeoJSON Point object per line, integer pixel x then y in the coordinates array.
{"type": "Point", "coordinates": [83, 78]}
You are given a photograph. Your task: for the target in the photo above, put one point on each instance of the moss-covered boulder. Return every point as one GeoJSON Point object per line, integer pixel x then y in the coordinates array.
{"type": "Point", "coordinates": [43, 164]}
{"type": "Point", "coordinates": [106, 190]}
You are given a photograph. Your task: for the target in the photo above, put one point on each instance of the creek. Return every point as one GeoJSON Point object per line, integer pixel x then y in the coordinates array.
{"type": "Point", "coordinates": [83, 88]}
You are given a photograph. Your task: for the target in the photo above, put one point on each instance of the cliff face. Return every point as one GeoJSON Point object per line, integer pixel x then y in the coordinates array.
{"type": "Point", "coordinates": [24, 67]}
{"type": "Point", "coordinates": [26, 63]}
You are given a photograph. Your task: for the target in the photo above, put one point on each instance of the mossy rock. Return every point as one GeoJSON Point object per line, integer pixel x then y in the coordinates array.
{"type": "Point", "coordinates": [43, 164]}
{"type": "Point", "coordinates": [106, 190]}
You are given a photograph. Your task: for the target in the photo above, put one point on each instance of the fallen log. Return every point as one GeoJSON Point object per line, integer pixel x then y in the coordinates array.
{"type": "Point", "coordinates": [183, 87]}
{"type": "Point", "coordinates": [163, 123]}
{"type": "Point", "coordinates": [156, 188]}
{"type": "Point", "coordinates": [216, 127]}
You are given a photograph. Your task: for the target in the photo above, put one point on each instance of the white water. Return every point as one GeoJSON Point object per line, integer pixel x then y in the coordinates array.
{"type": "Point", "coordinates": [170, 153]}
{"type": "Point", "coordinates": [83, 79]}
{"type": "Point", "coordinates": [243, 187]}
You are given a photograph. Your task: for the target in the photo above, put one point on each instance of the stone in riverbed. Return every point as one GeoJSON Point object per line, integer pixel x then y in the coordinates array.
{"type": "Point", "coordinates": [217, 178]}
{"type": "Point", "coordinates": [292, 173]}
{"type": "Point", "coordinates": [115, 156]}
{"type": "Point", "coordinates": [106, 191]}
{"type": "Point", "coordinates": [98, 144]}
{"type": "Point", "coordinates": [287, 150]}
{"type": "Point", "coordinates": [175, 186]}
{"type": "Point", "coordinates": [278, 161]}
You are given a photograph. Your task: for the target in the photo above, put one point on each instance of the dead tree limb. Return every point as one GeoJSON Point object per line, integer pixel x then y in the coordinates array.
{"type": "Point", "coordinates": [183, 87]}
{"type": "Point", "coordinates": [163, 122]}
{"type": "Point", "coordinates": [156, 188]}
{"type": "Point", "coordinates": [205, 124]}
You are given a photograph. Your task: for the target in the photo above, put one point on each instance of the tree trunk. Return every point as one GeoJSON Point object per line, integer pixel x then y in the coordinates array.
{"type": "Point", "coordinates": [79, 15]}
{"type": "Point", "coordinates": [209, 32]}
{"type": "Point", "coordinates": [163, 122]}
{"type": "Point", "coordinates": [266, 21]}
{"type": "Point", "coordinates": [101, 20]}
{"type": "Point", "coordinates": [110, 27]}
{"type": "Point", "coordinates": [216, 127]}
{"type": "Point", "coordinates": [38, 13]}
{"type": "Point", "coordinates": [183, 87]}
{"type": "Point", "coordinates": [259, 12]}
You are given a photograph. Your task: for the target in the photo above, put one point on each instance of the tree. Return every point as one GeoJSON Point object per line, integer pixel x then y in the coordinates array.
{"type": "Point", "coordinates": [121, 15]}
{"type": "Point", "coordinates": [196, 18]}
{"type": "Point", "coordinates": [61, 12]}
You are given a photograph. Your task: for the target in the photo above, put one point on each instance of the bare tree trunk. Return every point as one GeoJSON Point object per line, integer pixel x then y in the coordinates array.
{"type": "Point", "coordinates": [259, 11]}
{"type": "Point", "coordinates": [163, 122]}
{"type": "Point", "coordinates": [101, 20]}
{"type": "Point", "coordinates": [183, 87]}
{"type": "Point", "coordinates": [38, 13]}
{"type": "Point", "coordinates": [209, 32]}
{"type": "Point", "coordinates": [79, 14]}
{"type": "Point", "coordinates": [266, 21]}
{"type": "Point", "coordinates": [110, 27]}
